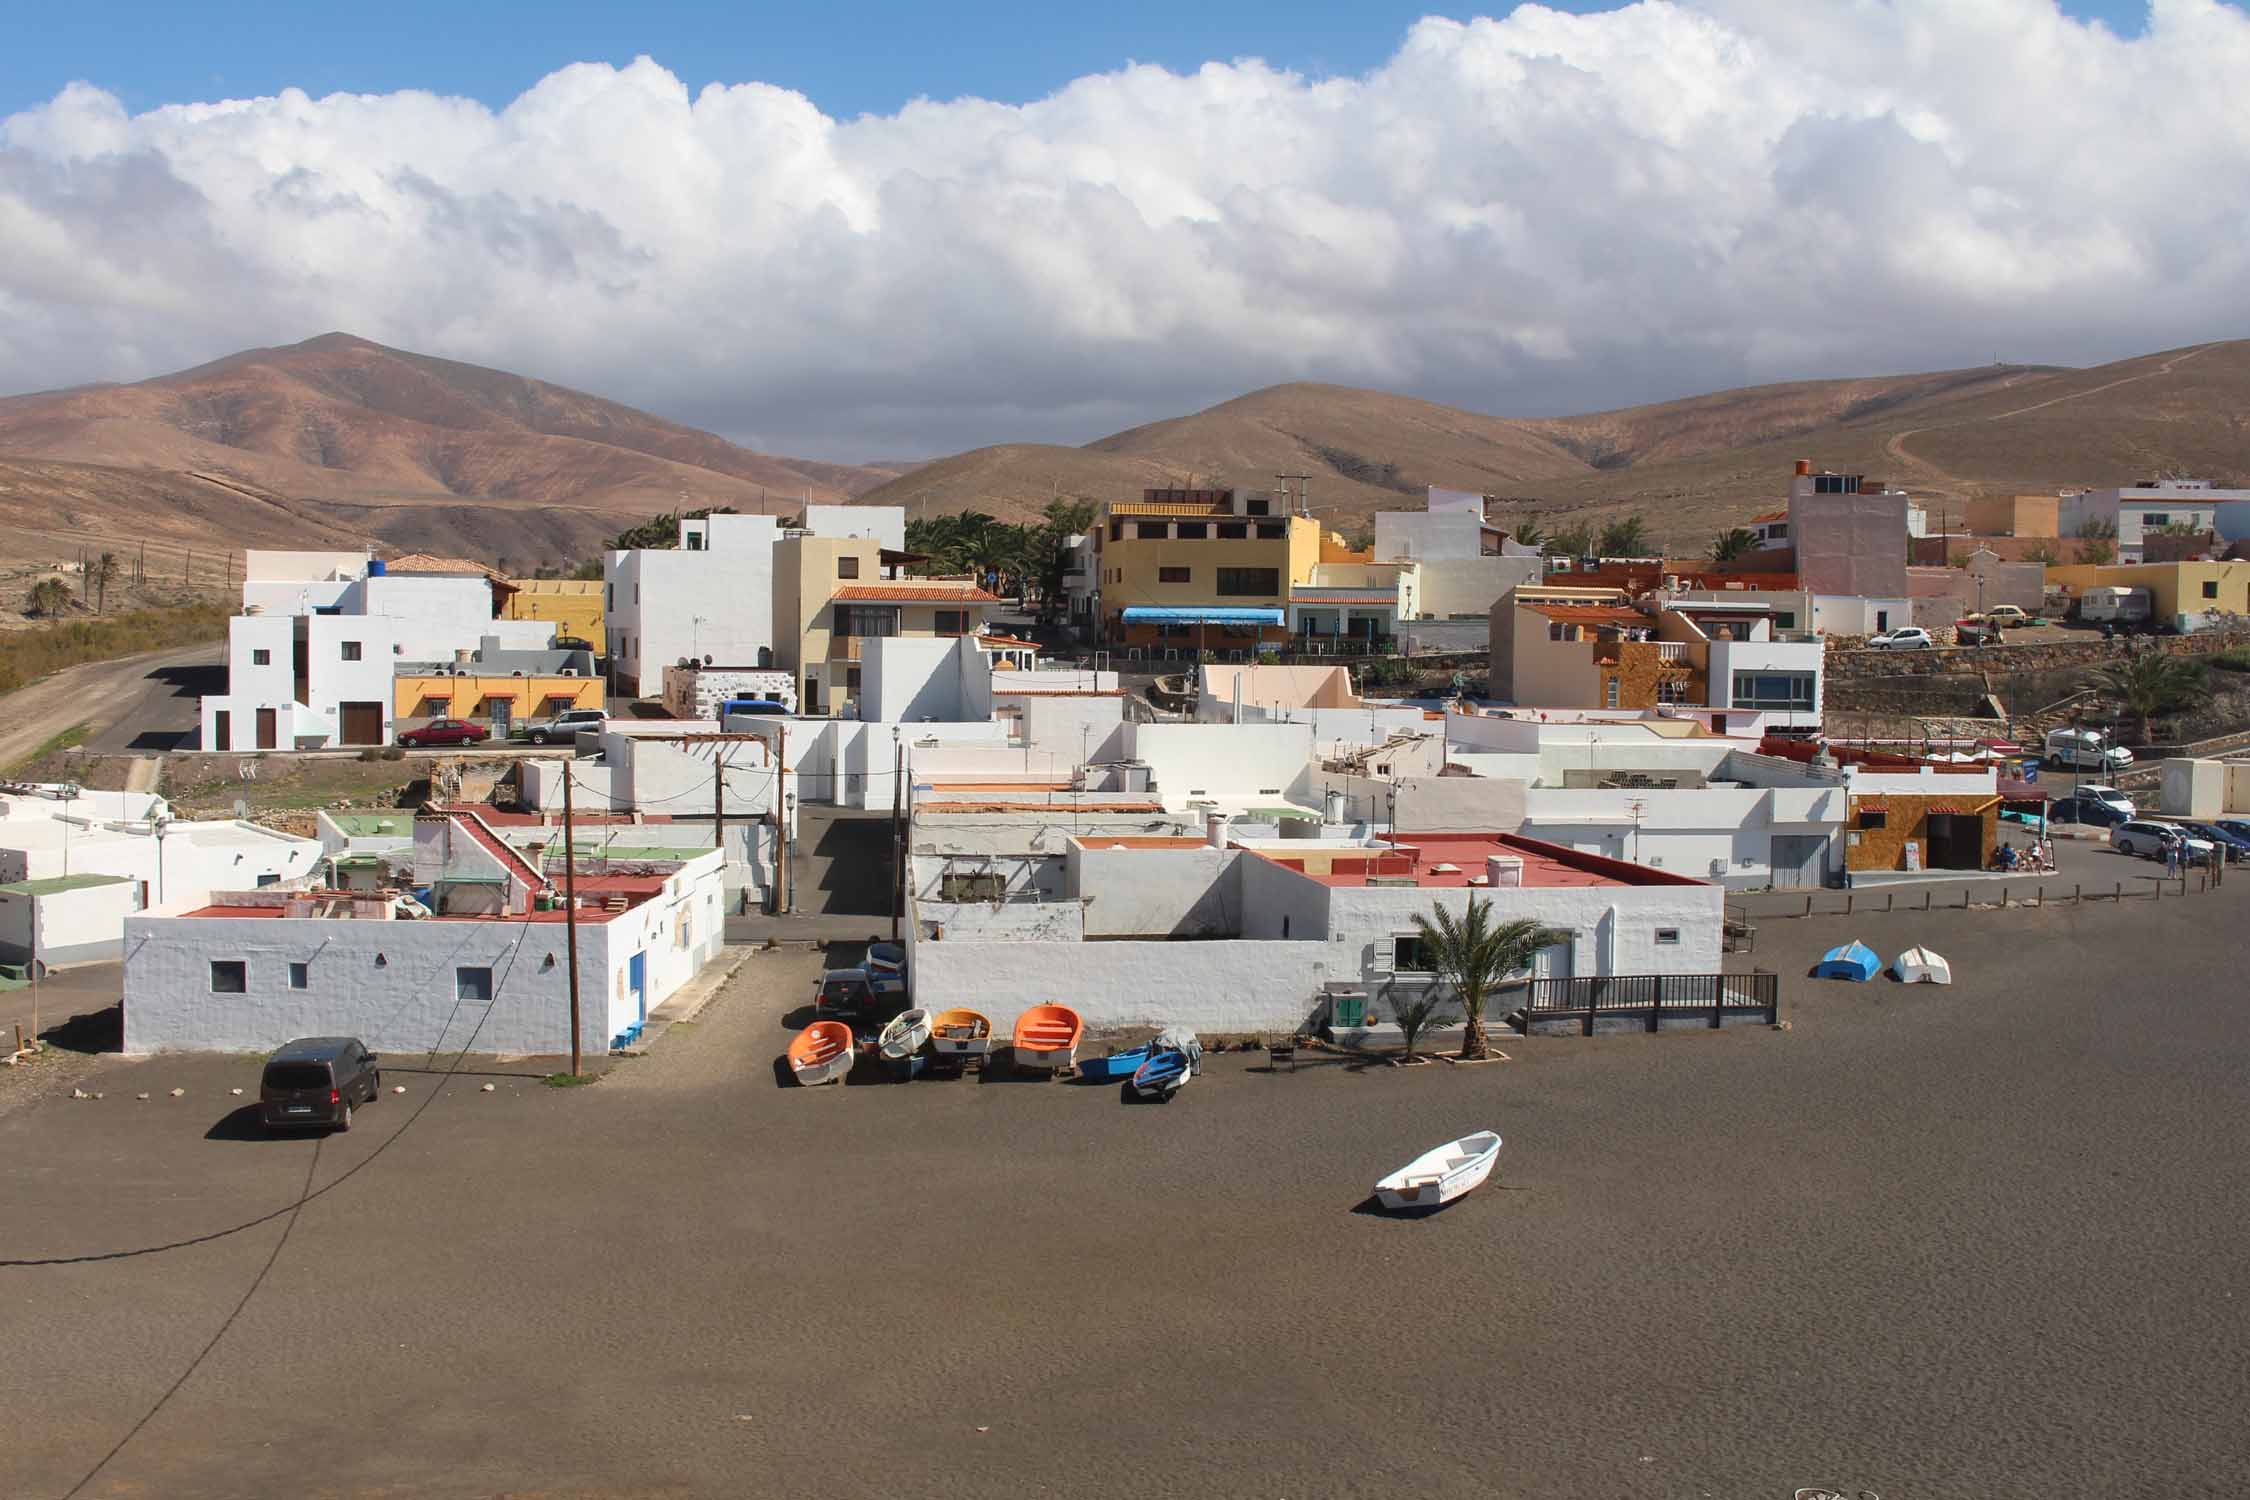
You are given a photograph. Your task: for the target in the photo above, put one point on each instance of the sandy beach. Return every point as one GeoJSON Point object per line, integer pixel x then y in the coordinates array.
{"type": "Point", "coordinates": [1985, 1241]}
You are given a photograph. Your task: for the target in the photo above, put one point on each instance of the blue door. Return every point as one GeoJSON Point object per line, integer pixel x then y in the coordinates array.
{"type": "Point", "coordinates": [636, 978]}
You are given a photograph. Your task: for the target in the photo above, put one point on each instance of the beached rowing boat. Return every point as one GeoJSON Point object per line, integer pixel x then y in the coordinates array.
{"type": "Point", "coordinates": [821, 1053]}
{"type": "Point", "coordinates": [1115, 1068]}
{"type": "Point", "coordinates": [960, 1033]}
{"type": "Point", "coordinates": [1047, 1036]}
{"type": "Point", "coordinates": [900, 1043]}
{"type": "Point", "coordinates": [1172, 1060]}
{"type": "Point", "coordinates": [1438, 1177]}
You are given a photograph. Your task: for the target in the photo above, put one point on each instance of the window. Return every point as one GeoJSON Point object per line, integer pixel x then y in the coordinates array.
{"type": "Point", "coordinates": [1194, 531]}
{"type": "Point", "coordinates": [847, 567]}
{"type": "Point", "coordinates": [851, 679]}
{"type": "Point", "coordinates": [1667, 937]}
{"type": "Point", "coordinates": [1233, 531]}
{"type": "Point", "coordinates": [472, 983]}
{"type": "Point", "coordinates": [812, 694]}
{"type": "Point", "coordinates": [268, 878]}
{"type": "Point", "coordinates": [1671, 690]}
{"type": "Point", "coordinates": [1785, 619]}
{"type": "Point", "coordinates": [1239, 581]}
{"type": "Point", "coordinates": [300, 976]}
{"type": "Point", "coordinates": [1272, 531]}
{"type": "Point", "coordinates": [2211, 590]}
{"type": "Point", "coordinates": [1774, 690]}
{"type": "Point", "coordinates": [351, 650]}
{"type": "Point", "coordinates": [1117, 531]}
{"type": "Point", "coordinates": [1873, 817]}
{"type": "Point", "coordinates": [609, 596]}
{"type": "Point", "coordinates": [1257, 508]}
{"type": "Point", "coordinates": [1171, 575]}
{"type": "Point", "coordinates": [1610, 692]}
{"type": "Point", "coordinates": [1410, 954]}
{"type": "Point", "coordinates": [976, 885]}
{"type": "Point", "coordinates": [2157, 519]}
{"type": "Point", "coordinates": [1152, 531]}
{"type": "Point", "coordinates": [261, 658]}
{"type": "Point", "coordinates": [952, 622]}
{"type": "Point", "coordinates": [229, 976]}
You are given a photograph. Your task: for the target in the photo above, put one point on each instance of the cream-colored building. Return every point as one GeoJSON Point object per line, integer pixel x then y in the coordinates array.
{"type": "Point", "coordinates": [831, 594]}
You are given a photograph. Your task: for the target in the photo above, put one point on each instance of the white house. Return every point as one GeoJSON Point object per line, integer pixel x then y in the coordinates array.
{"type": "Point", "coordinates": [2136, 510]}
{"type": "Point", "coordinates": [486, 972]}
{"type": "Point", "coordinates": [1155, 931]}
{"type": "Point", "coordinates": [65, 919]}
{"type": "Point", "coordinates": [1465, 561]}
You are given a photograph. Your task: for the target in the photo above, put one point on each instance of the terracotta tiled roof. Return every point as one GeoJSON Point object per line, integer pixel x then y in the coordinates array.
{"type": "Point", "coordinates": [1591, 614]}
{"type": "Point", "coordinates": [913, 593]}
{"type": "Point", "coordinates": [1006, 640]}
{"type": "Point", "coordinates": [423, 562]}
{"type": "Point", "coordinates": [1769, 517]}
{"type": "Point", "coordinates": [1341, 596]}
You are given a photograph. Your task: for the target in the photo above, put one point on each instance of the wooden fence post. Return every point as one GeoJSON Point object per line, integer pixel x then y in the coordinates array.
{"type": "Point", "coordinates": [1888, 899]}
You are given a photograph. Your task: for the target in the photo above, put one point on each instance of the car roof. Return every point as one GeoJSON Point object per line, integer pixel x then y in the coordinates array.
{"type": "Point", "coordinates": [315, 1049]}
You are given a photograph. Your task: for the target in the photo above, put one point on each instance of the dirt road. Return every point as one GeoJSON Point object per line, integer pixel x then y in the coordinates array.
{"type": "Point", "coordinates": [143, 702]}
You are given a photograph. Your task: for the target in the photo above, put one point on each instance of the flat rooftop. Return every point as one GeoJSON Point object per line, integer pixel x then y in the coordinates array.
{"type": "Point", "coordinates": [1441, 861]}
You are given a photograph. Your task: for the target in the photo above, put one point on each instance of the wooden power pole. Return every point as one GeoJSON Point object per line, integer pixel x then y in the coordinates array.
{"type": "Point", "coordinates": [570, 915]}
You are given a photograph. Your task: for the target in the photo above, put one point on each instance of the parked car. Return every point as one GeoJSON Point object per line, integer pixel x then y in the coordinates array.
{"type": "Point", "coordinates": [315, 1080]}
{"type": "Point", "coordinates": [2148, 840]}
{"type": "Point", "coordinates": [2239, 827]}
{"type": "Point", "coordinates": [1905, 638]}
{"type": "Point", "coordinates": [2085, 749]}
{"type": "Point", "coordinates": [846, 994]}
{"type": "Point", "coordinates": [2236, 845]}
{"type": "Point", "coordinates": [445, 732]}
{"type": "Point", "coordinates": [2086, 810]}
{"type": "Point", "coordinates": [562, 726]}
{"type": "Point", "coordinates": [2007, 614]}
{"type": "Point", "coordinates": [2108, 796]}
{"type": "Point", "coordinates": [575, 643]}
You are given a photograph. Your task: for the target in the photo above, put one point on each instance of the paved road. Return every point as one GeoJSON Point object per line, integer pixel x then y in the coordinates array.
{"type": "Point", "coordinates": [145, 702]}
{"type": "Point", "coordinates": [1972, 1241]}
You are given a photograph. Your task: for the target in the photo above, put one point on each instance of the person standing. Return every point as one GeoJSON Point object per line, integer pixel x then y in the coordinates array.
{"type": "Point", "coordinates": [2171, 855]}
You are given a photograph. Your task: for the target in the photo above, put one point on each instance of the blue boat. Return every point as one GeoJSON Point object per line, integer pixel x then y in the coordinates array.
{"type": "Point", "coordinates": [1854, 961]}
{"type": "Point", "coordinates": [1172, 1060]}
{"type": "Point", "coordinates": [1115, 1068]}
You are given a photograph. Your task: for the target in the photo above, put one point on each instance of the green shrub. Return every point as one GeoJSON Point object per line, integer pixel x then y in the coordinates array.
{"type": "Point", "coordinates": [2233, 659]}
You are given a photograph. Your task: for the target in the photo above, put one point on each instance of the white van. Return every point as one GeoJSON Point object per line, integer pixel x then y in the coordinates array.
{"type": "Point", "coordinates": [2085, 750]}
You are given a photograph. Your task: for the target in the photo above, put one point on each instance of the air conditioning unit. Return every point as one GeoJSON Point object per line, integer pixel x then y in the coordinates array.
{"type": "Point", "coordinates": [568, 672]}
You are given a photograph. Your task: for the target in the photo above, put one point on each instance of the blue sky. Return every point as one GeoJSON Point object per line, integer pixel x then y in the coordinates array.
{"type": "Point", "coordinates": [849, 59]}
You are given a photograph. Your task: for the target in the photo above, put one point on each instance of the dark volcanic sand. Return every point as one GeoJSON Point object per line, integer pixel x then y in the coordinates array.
{"type": "Point", "coordinates": [1981, 1242]}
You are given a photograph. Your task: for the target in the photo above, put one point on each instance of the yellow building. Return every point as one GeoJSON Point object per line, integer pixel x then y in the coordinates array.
{"type": "Point", "coordinates": [572, 605]}
{"type": "Point", "coordinates": [2175, 589]}
{"type": "Point", "coordinates": [1197, 569]}
{"type": "Point", "coordinates": [441, 695]}
{"type": "Point", "coordinates": [832, 594]}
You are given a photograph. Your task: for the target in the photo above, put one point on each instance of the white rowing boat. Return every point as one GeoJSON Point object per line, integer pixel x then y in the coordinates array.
{"type": "Point", "coordinates": [1436, 1178]}
{"type": "Point", "coordinates": [1921, 966]}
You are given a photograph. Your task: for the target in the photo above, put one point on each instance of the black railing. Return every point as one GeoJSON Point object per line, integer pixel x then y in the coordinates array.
{"type": "Point", "coordinates": [1654, 996]}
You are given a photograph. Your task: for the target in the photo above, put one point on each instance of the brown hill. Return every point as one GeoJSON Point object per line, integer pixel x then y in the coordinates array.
{"type": "Point", "coordinates": [1691, 466]}
{"type": "Point", "coordinates": [426, 454]}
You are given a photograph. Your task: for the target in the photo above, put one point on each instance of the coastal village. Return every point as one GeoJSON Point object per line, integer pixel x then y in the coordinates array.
{"type": "Point", "coordinates": [1237, 781]}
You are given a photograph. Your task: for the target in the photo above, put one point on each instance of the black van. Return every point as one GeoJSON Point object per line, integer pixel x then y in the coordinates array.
{"type": "Point", "coordinates": [315, 1080]}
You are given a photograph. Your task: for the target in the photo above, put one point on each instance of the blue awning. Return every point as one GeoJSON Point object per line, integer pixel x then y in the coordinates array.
{"type": "Point", "coordinates": [1199, 614]}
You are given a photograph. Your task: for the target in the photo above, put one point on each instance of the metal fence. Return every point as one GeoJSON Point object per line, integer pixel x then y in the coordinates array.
{"type": "Point", "coordinates": [1654, 996]}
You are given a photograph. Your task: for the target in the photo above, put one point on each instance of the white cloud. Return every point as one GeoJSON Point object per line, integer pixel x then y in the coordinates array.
{"type": "Point", "coordinates": [1542, 213]}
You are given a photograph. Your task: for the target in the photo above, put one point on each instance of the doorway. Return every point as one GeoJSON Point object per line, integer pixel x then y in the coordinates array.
{"type": "Point", "coordinates": [1799, 860]}
{"type": "Point", "coordinates": [361, 723]}
{"type": "Point", "coordinates": [269, 731]}
{"type": "Point", "coordinates": [1956, 841]}
{"type": "Point", "coordinates": [636, 980]}
{"type": "Point", "coordinates": [222, 730]}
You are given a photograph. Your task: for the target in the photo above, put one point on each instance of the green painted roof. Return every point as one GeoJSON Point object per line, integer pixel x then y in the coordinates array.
{"type": "Point", "coordinates": [56, 883]}
{"type": "Point", "coordinates": [398, 825]}
{"type": "Point", "coordinates": [617, 852]}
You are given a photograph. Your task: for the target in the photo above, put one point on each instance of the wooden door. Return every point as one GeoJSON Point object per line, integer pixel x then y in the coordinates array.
{"type": "Point", "coordinates": [222, 729]}
{"type": "Point", "coordinates": [268, 730]}
{"type": "Point", "coordinates": [362, 723]}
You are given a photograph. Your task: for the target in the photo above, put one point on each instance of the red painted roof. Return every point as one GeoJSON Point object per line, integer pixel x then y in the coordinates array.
{"type": "Point", "coordinates": [499, 848]}
{"type": "Point", "coordinates": [1545, 866]}
{"type": "Point", "coordinates": [1591, 614]}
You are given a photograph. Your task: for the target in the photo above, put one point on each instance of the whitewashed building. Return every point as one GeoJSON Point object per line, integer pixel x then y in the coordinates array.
{"type": "Point", "coordinates": [65, 919]}
{"type": "Point", "coordinates": [1464, 561]}
{"type": "Point", "coordinates": [2137, 510]}
{"type": "Point", "coordinates": [484, 970]}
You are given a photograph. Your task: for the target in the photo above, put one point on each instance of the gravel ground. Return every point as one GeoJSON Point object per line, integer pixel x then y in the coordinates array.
{"type": "Point", "coordinates": [1983, 1241]}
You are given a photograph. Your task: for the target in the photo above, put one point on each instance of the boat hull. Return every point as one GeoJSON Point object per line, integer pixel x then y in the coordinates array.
{"type": "Point", "coordinates": [811, 1075]}
{"type": "Point", "coordinates": [1115, 1068]}
{"type": "Point", "coordinates": [1045, 1057]}
{"type": "Point", "coordinates": [1443, 1176]}
{"type": "Point", "coordinates": [972, 1034]}
{"type": "Point", "coordinates": [822, 1053]}
{"type": "Point", "coordinates": [1047, 1036]}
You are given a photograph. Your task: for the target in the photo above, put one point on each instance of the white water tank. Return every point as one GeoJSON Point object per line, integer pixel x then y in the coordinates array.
{"type": "Point", "coordinates": [1215, 830]}
{"type": "Point", "coordinates": [1332, 806]}
{"type": "Point", "coordinates": [1504, 869]}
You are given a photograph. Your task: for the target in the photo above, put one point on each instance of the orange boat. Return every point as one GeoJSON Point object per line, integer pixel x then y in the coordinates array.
{"type": "Point", "coordinates": [1047, 1036]}
{"type": "Point", "coordinates": [821, 1053]}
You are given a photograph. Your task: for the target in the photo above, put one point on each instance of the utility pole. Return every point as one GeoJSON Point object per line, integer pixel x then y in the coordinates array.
{"type": "Point", "coordinates": [719, 806]}
{"type": "Point", "coordinates": [570, 916]}
{"type": "Point", "coordinates": [781, 821]}
{"type": "Point", "coordinates": [898, 832]}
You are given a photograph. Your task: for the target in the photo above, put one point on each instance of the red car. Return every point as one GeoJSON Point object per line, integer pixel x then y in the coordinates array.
{"type": "Point", "coordinates": [446, 732]}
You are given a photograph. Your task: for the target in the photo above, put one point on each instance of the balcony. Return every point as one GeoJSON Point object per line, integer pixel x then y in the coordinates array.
{"type": "Point", "coordinates": [847, 647]}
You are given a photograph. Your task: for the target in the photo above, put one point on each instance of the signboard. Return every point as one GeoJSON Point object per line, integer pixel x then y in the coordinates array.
{"type": "Point", "coordinates": [1914, 854]}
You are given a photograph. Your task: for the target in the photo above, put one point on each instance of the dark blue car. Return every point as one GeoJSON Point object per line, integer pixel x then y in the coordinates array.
{"type": "Point", "coordinates": [2236, 845]}
{"type": "Point", "coordinates": [2087, 810]}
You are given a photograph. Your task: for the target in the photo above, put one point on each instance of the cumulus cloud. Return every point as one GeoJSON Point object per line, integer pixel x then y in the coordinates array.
{"type": "Point", "coordinates": [1542, 213]}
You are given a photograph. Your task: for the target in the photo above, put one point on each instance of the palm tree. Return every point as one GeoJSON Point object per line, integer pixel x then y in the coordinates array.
{"type": "Point", "coordinates": [1479, 957]}
{"type": "Point", "coordinates": [1527, 534]}
{"type": "Point", "coordinates": [1627, 538]}
{"type": "Point", "coordinates": [102, 574]}
{"type": "Point", "coordinates": [1574, 540]}
{"type": "Point", "coordinates": [49, 597]}
{"type": "Point", "coordinates": [1416, 1013]}
{"type": "Point", "coordinates": [2150, 682]}
{"type": "Point", "coordinates": [1735, 542]}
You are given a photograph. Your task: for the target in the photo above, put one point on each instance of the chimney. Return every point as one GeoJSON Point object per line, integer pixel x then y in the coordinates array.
{"type": "Point", "coordinates": [1505, 869]}
{"type": "Point", "coordinates": [1804, 466]}
{"type": "Point", "coordinates": [1332, 805]}
{"type": "Point", "coordinates": [1215, 830]}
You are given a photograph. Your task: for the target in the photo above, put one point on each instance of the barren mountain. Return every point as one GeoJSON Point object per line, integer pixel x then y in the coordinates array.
{"type": "Point", "coordinates": [1691, 466]}
{"type": "Point", "coordinates": [346, 436]}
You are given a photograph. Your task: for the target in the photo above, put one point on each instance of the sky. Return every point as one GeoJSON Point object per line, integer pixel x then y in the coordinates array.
{"type": "Point", "coordinates": [894, 229]}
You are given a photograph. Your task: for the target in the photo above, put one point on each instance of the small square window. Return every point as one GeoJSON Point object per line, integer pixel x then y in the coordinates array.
{"type": "Point", "coordinates": [351, 650]}
{"type": "Point", "coordinates": [300, 976]}
{"type": "Point", "coordinates": [1171, 575]}
{"type": "Point", "coordinates": [1410, 955]}
{"type": "Point", "coordinates": [1873, 818]}
{"type": "Point", "coordinates": [229, 976]}
{"type": "Point", "coordinates": [472, 984]}
{"type": "Point", "coordinates": [1667, 936]}
{"type": "Point", "coordinates": [847, 567]}
{"type": "Point", "coordinates": [2211, 590]}
{"type": "Point", "coordinates": [260, 657]}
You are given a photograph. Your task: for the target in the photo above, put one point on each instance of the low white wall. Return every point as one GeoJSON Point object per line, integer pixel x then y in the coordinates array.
{"type": "Point", "coordinates": [1431, 803]}
{"type": "Point", "coordinates": [1158, 892]}
{"type": "Point", "coordinates": [1221, 760]}
{"type": "Point", "coordinates": [1217, 987]}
